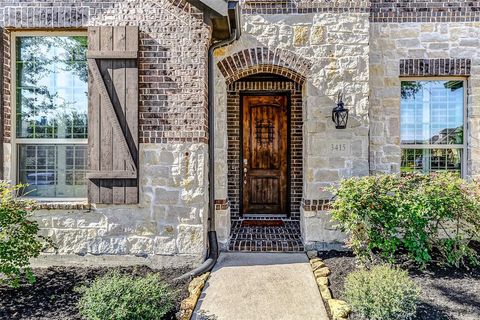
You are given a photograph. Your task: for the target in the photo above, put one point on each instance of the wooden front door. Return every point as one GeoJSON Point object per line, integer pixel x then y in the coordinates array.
{"type": "Point", "coordinates": [265, 144]}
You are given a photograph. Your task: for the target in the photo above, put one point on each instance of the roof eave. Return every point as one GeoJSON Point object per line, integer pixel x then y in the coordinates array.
{"type": "Point", "coordinates": [217, 8]}
{"type": "Point", "coordinates": [224, 16]}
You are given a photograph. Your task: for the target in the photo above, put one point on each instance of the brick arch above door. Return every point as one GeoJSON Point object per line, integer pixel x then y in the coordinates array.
{"type": "Point", "coordinates": [264, 60]}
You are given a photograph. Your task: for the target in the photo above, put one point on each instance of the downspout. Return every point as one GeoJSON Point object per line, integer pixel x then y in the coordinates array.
{"type": "Point", "coordinates": [211, 125]}
{"type": "Point", "coordinates": [2, 110]}
{"type": "Point", "coordinates": [212, 256]}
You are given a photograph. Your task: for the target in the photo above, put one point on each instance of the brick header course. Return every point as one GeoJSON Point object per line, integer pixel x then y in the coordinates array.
{"type": "Point", "coordinates": [435, 67]}
{"type": "Point", "coordinates": [380, 10]}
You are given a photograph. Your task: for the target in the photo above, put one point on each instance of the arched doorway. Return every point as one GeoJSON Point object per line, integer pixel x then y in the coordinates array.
{"type": "Point", "coordinates": [264, 129]}
{"type": "Point", "coordinates": [265, 162]}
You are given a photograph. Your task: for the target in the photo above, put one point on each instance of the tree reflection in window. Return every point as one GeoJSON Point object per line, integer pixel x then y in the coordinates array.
{"type": "Point", "coordinates": [432, 112]}
{"type": "Point", "coordinates": [427, 160]}
{"type": "Point", "coordinates": [51, 106]}
{"type": "Point", "coordinates": [432, 117]}
{"type": "Point", "coordinates": [51, 86]}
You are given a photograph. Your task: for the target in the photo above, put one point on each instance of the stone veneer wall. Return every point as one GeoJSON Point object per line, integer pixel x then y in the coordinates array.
{"type": "Point", "coordinates": [392, 46]}
{"type": "Point", "coordinates": [169, 220]}
{"type": "Point", "coordinates": [335, 43]}
{"type": "Point", "coordinates": [357, 47]}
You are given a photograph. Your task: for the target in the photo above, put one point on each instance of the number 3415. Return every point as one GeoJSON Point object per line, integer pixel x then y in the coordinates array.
{"type": "Point", "coordinates": [339, 147]}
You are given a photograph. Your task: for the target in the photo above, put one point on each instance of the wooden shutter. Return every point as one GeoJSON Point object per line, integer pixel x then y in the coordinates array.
{"type": "Point", "coordinates": [113, 115]}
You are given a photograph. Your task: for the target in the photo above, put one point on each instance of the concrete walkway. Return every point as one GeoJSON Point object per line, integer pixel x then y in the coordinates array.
{"type": "Point", "coordinates": [254, 286]}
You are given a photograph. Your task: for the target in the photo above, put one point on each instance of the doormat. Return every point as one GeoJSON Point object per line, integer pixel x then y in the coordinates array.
{"type": "Point", "coordinates": [263, 223]}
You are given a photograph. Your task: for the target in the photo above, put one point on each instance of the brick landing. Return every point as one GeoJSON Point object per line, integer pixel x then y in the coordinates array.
{"type": "Point", "coordinates": [266, 237]}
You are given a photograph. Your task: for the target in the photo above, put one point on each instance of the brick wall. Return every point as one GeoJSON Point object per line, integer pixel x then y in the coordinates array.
{"type": "Point", "coordinates": [169, 218]}
{"type": "Point", "coordinates": [234, 147]}
{"type": "Point", "coordinates": [172, 62]}
{"type": "Point", "coordinates": [6, 75]}
{"type": "Point", "coordinates": [264, 60]}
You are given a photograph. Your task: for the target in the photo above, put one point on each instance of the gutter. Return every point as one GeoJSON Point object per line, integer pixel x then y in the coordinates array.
{"type": "Point", "coordinates": [233, 16]}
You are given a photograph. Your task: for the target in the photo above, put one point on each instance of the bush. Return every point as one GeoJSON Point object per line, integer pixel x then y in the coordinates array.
{"type": "Point", "coordinates": [19, 239]}
{"type": "Point", "coordinates": [425, 216]}
{"type": "Point", "coordinates": [381, 294]}
{"type": "Point", "coordinates": [124, 297]}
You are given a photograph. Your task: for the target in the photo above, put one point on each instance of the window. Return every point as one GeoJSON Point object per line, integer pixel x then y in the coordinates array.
{"type": "Point", "coordinates": [432, 125]}
{"type": "Point", "coordinates": [51, 114]}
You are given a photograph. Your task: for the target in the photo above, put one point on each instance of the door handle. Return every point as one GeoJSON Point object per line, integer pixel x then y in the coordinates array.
{"type": "Point", "coordinates": [245, 170]}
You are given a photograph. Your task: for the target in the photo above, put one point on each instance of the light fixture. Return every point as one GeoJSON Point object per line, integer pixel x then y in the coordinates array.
{"type": "Point", "coordinates": [340, 114]}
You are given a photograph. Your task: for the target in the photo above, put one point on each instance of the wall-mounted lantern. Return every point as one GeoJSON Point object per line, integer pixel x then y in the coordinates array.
{"type": "Point", "coordinates": [340, 114]}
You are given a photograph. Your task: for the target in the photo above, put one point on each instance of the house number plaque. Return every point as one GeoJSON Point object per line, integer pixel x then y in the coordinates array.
{"type": "Point", "coordinates": [339, 148]}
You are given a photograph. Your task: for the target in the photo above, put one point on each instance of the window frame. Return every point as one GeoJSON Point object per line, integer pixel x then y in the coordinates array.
{"type": "Point", "coordinates": [464, 146]}
{"type": "Point", "coordinates": [15, 142]}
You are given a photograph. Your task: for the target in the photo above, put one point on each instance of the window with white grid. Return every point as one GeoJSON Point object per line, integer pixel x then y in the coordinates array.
{"type": "Point", "coordinates": [51, 114]}
{"type": "Point", "coordinates": [432, 125]}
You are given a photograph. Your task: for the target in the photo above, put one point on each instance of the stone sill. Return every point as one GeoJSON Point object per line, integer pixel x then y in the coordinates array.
{"type": "Point", "coordinates": [66, 205]}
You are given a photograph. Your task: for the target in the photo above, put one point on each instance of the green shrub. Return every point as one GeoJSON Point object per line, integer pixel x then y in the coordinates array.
{"type": "Point", "coordinates": [381, 293]}
{"type": "Point", "coordinates": [124, 297]}
{"type": "Point", "coordinates": [425, 216]}
{"type": "Point", "coordinates": [19, 239]}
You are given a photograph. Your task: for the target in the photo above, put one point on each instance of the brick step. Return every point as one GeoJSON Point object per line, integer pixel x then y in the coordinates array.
{"type": "Point", "coordinates": [266, 246]}
{"type": "Point", "coordinates": [267, 237]}
{"type": "Point", "coordinates": [267, 230]}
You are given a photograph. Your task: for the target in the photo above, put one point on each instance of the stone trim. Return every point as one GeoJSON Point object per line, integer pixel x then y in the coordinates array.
{"type": "Point", "coordinates": [64, 206]}
{"type": "Point", "coordinates": [222, 204]}
{"type": "Point", "coordinates": [316, 205]}
{"type": "Point", "coordinates": [435, 67]}
{"type": "Point", "coordinates": [234, 143]}
{"type": "Point", "coordinates": [263, 60]}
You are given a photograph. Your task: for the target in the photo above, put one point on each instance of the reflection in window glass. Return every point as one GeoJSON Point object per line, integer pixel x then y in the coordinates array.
{"type": "Point", "coordinates": [428, 160]}
{"type": "Point", "coordinates": [432, 112]}
{"type": "Point", "coordinates": [51, 87]}
{"type": "Point", "coordinates": [53, 170]}
{"type": "Point", "coordinates": [51, 105]}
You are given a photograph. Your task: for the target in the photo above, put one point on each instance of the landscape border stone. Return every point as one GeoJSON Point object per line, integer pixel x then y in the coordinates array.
{"type": "Point", "coordinates": [339, 309]}
{"type": "Point", "coordinates": [195, 288]}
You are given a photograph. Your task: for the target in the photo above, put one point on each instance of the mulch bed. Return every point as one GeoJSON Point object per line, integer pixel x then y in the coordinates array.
{"type": "Point", "coordinates": [52, 296]}
{"type": "Point", "coordinates": [446, 293]}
